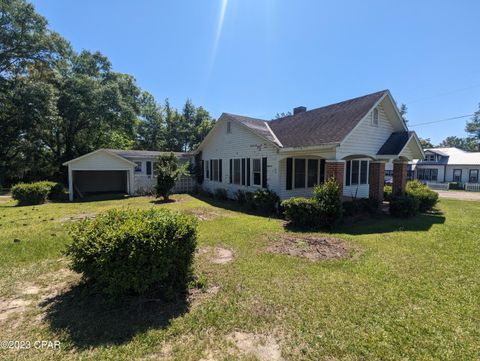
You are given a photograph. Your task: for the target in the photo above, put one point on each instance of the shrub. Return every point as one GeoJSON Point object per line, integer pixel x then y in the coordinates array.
{"type": "Point", "coordinates": [265, 200]}
{"type": "Point", "coordinates": [404, 206]}
{"type": "Point", "coordinates": [302, 212]}
{"type": "Point", "coordinates": [221, 193]}
{"type": "Point", "coordinates": [327, 195]}
{"type": "Point", "coordinates": [30, 193]}
{"type": "Point", "coordinates": [168, 170]}
{"type": "Point", "coordinates": [126, 251]}
{"type": "Point", "coordinates": [387, 192]}
{"type": "Point", "coordinates": [241, 197]}
{"type": "Point", "coordinates": [426, 197]}
{"type": "Point", "coordinates": [362, 205]}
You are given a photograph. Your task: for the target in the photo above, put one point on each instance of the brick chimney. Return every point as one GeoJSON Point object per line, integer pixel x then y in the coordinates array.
{"type": "Point", "coordinates": [299, 110]}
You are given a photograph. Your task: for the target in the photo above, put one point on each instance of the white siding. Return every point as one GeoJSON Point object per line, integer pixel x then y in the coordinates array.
{"type": "Point", "coordinates": [100, 161]}
{"type": "Point", "coordinates": [440, 168]}
{"type": "Point", "coordinates": [465, 172]}
{"type": "Point", "coordinates": [367, 139]}
{"type": "Point", "coordinates": [239, 143]}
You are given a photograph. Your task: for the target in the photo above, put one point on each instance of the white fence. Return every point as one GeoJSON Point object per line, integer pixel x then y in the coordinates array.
{"type": "Point", "coordinates": [438, 186]}
{"type": "Point", "coordinates": [145, 185]}
{"type": "Point", "coordinates": [472, 187]}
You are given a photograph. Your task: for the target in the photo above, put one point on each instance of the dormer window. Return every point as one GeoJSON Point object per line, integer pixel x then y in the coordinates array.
{"type": "Point", "coordinates": [229, 127]}
{"type": "Point", "coordinates": [375, 117]}
{"type": "Point", "coordinates": [430, 157]}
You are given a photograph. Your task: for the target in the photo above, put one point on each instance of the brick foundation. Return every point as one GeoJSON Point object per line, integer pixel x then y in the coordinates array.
{"type": "Point", "coordinates": [376, 177]}
{"type": "Point", "coordinates": [399, 177]}
{"type": "Point", "coordinates": [335, 170]}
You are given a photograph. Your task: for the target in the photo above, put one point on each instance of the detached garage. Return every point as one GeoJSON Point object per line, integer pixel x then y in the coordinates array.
{"type": "Point", "coordinates": [101, 171]}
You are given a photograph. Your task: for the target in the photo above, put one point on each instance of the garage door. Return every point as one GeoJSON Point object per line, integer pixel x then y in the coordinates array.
{"type": "Point", "coordinates": [96, 181]}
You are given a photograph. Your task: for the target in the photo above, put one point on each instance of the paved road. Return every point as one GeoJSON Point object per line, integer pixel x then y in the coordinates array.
{"type": "Point", "coordinates": [462, 195]}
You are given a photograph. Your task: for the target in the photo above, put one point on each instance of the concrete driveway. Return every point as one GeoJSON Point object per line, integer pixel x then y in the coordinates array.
{"type": "Point", "coordinates": [461, 195]}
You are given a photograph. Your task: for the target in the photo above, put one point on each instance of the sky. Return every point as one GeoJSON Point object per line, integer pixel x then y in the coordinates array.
{"type": "Point", "coordinates": [263, 57]}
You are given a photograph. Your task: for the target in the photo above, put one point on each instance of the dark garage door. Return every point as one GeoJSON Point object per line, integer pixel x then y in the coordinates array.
{"type": "Point", "coordinates": [96, 181]}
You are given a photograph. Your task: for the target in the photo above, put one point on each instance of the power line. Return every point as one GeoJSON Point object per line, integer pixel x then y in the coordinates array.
{"type": "Point", "coordinates": [441, 120]}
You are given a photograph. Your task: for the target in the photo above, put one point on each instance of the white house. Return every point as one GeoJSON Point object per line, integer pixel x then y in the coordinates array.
{"type": "Point", "coordinates": [448, 165]}
{"type": "Point", "coordinates": [350, 141]}
{"type": "Point", "coordinates": [114, 170]}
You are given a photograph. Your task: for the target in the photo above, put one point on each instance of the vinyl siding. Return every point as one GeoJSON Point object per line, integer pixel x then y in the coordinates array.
{"type": "Point", "coordinates": [239, 143]}
{"type": "Point", "coordinates": [100, 161]}
{"type": "Point", "coordinates": [367, 139]}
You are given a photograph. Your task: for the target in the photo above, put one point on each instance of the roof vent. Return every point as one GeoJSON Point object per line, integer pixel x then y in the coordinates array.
{"type": "Point", "coordinates": [299, 110]}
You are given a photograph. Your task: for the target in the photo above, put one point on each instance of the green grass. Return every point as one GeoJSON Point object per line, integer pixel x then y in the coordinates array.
{"type": "Point", "coordinates": [412, 292]}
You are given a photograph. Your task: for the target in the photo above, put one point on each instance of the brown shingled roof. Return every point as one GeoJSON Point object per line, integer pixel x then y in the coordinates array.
{"type": "Point", "coordinates": [328, 124]}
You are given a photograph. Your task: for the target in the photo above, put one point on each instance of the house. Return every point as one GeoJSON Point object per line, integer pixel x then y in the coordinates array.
{"type": "Point", "coordinates": [115, 170]}
{"type": "Point", "coordinates": [349, 141]}
{"type": "Point", "coordinates": [448, 165]}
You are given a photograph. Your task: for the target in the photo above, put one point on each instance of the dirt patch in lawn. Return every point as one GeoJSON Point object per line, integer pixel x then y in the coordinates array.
{"type": "Point", "coordinates": [77, 217]}
{"type": "Point", "coordinates": [8, 307]}
{"type": "Point", "coordinates": [204, 214]}
{"type": "Point", "coordinates": [264, 348]}
{"type": "Point", "coordinates": [198, 296]}
{"type": "Point", "coordinates": [218, 255]}
{"type": "Point", "coordinates": [311, 247]}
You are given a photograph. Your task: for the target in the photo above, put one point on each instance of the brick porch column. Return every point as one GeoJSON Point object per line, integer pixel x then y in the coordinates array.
{"type": "Point", "coordinates": [335, 169]}
{"type": "Point", "coordinates": [376, 179]}
{"type": "Point", "coordinates": [399, 177]}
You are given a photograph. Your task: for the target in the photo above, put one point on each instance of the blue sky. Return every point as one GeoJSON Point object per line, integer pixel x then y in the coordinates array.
{"type": "Point", "coordinates": [268, 56]}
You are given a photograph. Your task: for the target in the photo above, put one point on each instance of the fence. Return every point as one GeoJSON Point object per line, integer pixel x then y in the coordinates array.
{"type": "Point", "coordinates": [438, 186]}
{"type": "Point", "coordinates": [145, 185]}
{"type": "Point", "coordinates": [472, 187]}
{"type": "Point", "coordinates": [184, 184]}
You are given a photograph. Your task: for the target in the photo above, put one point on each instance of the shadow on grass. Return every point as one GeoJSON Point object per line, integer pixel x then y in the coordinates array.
{"type": "Point", "coordinates": [163, 201]}
{"type": "Point", "coordinates": [90, 320]}
{"type": "Point", "coordinates": [232, 205]}
{"type": "Point", "coordinates": [101, 197]}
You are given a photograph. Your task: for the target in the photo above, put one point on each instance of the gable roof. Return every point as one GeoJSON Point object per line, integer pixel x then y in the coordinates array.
{"type": "Point", "coordinates": [395, 143]}
{"type": "Point", "coordinates": [325, 125]}
{"type": "Point", "coordinates": [455, 156]}
{"type": "Point", "coordinates": [141, 153]}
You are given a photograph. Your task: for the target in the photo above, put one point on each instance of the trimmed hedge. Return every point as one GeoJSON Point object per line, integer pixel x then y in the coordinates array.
{"type": "Point", "coordinates": [328, 197]}
{"type": "Point", "coordinates": [362, 205]}
{"type": "Point", "coordinates": [426, 197]}
{"type": "Point", "coordinates": [127, 251]}
{"type": "Point", "coordinates": [404, 206]}
{"type": "Point", "coordinates": [263, 200]}
{"type": "Point", "coordinates": [221, 194]}
{"type": "Point", "coordinates": [302, 212]}
{"type": "Point", "coordinates": [37, 192]}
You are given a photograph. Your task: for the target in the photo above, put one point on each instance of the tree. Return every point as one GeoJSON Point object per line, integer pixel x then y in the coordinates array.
{"type": "Point", "coordinates": [403, 112]}
{"type": "Point", "coordinates": [151, 129]}
{"type": "Point", "coordinates": [426, 143]}
{"type": "Point", "coordinates": [473, 128]}
{"type": "Point", "coordinates": [168, 170]}
{"type": "Point", "coordinates": [283, 115]}
{"type": "Point", "coordinates": [467, 144]}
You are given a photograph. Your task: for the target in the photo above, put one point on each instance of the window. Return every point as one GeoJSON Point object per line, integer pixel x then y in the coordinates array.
{"type": "Point", "coordinates": [457, 175]}
{"type": "Point", "coordinates": [430, 157]}
{"type": "Point", "coordinates": [257, 172]}
{"type": "Point", "coordinates": [473, 176]}
{"type": "Point", "coordinates": [356, 172]}
{"type": "Point", "coordinates": [149, 168]}
{"type": "Point", "coordinates": [138, 167]}
{"type": "Point", "coordinates": [427, 174]}
{"type": "Point", "coordinates": [207, 169]}
{"type": "Point", "coordinates": [363, 172]}
{"type": "Point", "coordinates": [312, 179]}
{"type": "Point", "coordinates": [375, 117]}
{"type": "Point", "coordinates": [215, 170]}
{"type": "Point", "coordinates": [229, 127]}
{"type": "Point", "coordinates": [300, 173]}
{"type": "Point", "coordinates": [236, 171]}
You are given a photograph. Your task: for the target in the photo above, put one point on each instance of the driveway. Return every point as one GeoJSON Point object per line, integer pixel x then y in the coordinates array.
{"type": "Point", "coordinates": [462, 195]}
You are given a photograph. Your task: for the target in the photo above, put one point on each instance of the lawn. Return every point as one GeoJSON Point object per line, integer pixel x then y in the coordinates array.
{"type": "Point", "coordinates": [410, 291]}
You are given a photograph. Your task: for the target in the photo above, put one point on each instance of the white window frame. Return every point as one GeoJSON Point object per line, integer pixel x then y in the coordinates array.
{"type": "Point", "coordinates": [375, 117]}
{"type": "Point", "coordinates": [259, 171]}
{"type": "Point", "coordinates": [359, 180]}
{"type": "Point", "coordinates": [306, 172]}
{"type": "Point", "coordinates": [460, 175]}
{"type": "Point", "coordinates": [470, 175]}
{"type": "Point", "coordinates": [138, 167]}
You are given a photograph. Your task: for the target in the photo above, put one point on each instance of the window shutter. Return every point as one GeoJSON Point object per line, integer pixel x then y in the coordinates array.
{"type": "Point", "coordinates": [202, 169]}
{"type": "Point", "coordinates": [248, 171]}
{"type": "Point", "coordinates": [211, 169]}
{"type": "Point", "coordinates": [243, 171]}
{"type": "Point", "coordinates": [231, 172]}
{"type": "Point", "coordinates": [220, 170]}
{"type": "Point", "coordinates": [322, 170]}
{"type": "Point", "coordinates": [347, 173]}
{"type": "Point", "coordinates": [264, 172]}
{"type": "Point", "coordinates": [289, 173]}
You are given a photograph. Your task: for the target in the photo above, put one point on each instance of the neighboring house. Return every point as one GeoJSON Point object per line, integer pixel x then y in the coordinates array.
{"type": "Point", "coordinates": [114, 170]}
{"type": "Point", "coordinates": [448, 165]}
{"type": "Point", "coordinates": [349, 141]}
